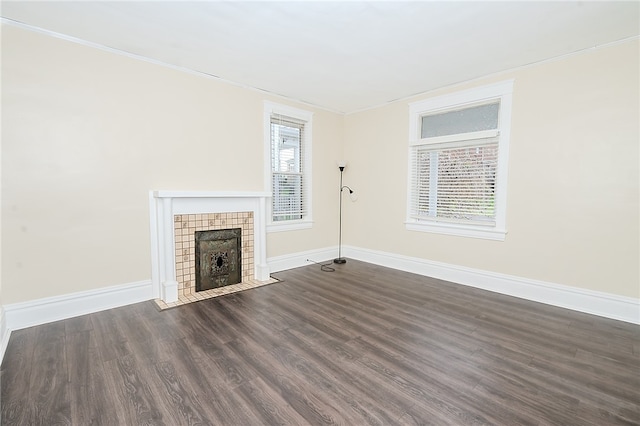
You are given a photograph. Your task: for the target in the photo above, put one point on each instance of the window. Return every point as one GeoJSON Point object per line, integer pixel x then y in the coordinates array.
{"type": "Point", "coordinates": [458, 153]}
{"type": "Point", "coordinates": [288, 168]}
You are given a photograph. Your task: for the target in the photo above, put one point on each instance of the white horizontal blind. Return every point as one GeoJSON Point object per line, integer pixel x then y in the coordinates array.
{"type": "Point", "coordinates": [455, 184]}
{"type": "Point", "coordinates": [287, 174]}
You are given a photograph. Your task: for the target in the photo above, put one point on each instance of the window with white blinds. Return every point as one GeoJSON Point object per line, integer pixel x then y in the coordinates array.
{"type": "Point", "coordinates": [289, 145]}
{"type": "Point", "coordinates": [456, 184]}
{"type": "Point", "coordinates": [457, 163]}
{"type": "Point", "coordinates": [287, 179]}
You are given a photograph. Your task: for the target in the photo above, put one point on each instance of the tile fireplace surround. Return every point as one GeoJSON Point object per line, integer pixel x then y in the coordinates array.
{"type": "Point", "coordinates": [174, 218]}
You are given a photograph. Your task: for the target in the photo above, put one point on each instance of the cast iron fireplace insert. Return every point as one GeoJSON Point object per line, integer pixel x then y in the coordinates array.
{"type": "Point", "coordinates": [218, 258]}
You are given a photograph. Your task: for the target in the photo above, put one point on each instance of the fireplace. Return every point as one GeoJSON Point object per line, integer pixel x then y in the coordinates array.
{"type": "Point", "coordinates": [176, 219]}
{"type": "Point", "coordinates": [218, 258]}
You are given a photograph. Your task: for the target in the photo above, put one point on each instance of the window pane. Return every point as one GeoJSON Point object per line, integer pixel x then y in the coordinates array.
{"type": "Point", "coordinates": [286, 168]}
{"type": "Point", "coordinates": [285, 148]}
{"type": "Point", "coordinates": [466, 183]}
{"type": "Point", "coordinates": [423, 183]}
{"type": "Point", "coordinates": [287, 197]}
{"type": "Point", "coordinates": [474, 119]}
{"type": "Point", "coordinates": [456, 184]}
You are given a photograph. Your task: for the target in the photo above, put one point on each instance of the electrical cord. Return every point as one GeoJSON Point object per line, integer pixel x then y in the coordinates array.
{"type": "Point", "coordinates": [324, 267]}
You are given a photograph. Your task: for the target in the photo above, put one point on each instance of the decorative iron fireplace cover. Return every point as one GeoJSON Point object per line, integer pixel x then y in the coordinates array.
{"type": "Point", "coordinates": [218, 258]}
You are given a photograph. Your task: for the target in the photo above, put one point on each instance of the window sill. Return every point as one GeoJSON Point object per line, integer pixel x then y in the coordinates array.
{"type": "Point", "coordinates": [289, 226]}
{"type": "Point", "coordinates": [458, 230]}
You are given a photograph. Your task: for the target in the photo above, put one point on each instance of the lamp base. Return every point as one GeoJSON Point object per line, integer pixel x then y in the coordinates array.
{"type": "Point", "coordinates": [340, 260]}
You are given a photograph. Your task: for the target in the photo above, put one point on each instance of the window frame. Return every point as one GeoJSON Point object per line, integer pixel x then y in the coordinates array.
{"type": "Point", "coordinates": [501, 92]}
{"type": "Point", "coordinates": [271, 108]}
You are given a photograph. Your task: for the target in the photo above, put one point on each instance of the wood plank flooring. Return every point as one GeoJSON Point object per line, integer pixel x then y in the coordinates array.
{"type": "Point", "coordinates": [364, 345]}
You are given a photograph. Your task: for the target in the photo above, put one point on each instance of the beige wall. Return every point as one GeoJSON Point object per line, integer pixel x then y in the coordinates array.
{"type": "Point", "coordinates": [87, 134]}
{"type": "Point", "coordinates": [572, 213]}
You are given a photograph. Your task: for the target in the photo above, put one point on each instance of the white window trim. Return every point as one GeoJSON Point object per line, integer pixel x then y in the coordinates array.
{"type": "Point", "coordinates": [271, 108]}
{"type": "Point", "coordinates": [502, 91]}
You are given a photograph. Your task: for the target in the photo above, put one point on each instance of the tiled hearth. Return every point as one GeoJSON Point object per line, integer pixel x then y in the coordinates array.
{"type": "Point", "coordinates": [215, 292]}
{"type": "Point", "coordinates": [175, 218]}
{"type": "Point", "coordinates": [185, 227]}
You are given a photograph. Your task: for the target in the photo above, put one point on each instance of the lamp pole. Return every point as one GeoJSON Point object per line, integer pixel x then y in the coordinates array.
{"type": "Point", "coordinates": [340, 259]}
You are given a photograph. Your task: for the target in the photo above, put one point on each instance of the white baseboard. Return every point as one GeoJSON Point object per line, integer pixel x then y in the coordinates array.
{"type": "Point", "coordinates": [42, 311]}
{"type": "Point", "coordinates": [296, 260]}
{"type": "Point", "coordinates": [4, 334]}
{"type": "Point", "coordinates": [592, 302]}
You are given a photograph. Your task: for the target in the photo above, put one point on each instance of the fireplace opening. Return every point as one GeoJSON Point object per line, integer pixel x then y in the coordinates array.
{"type": "Point", "coordinates": [218, 258]}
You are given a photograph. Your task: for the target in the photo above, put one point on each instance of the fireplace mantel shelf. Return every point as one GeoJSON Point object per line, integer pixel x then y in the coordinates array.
{"type": "Point", "coordinates": [209, 194]}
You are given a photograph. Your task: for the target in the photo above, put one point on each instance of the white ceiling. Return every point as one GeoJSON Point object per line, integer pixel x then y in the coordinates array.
{"type": "Point", "coordinates": [342, 56]}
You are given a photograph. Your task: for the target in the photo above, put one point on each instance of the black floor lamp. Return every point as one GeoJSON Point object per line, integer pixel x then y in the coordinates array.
{"type": "Point", "coordinates": [340, 259]}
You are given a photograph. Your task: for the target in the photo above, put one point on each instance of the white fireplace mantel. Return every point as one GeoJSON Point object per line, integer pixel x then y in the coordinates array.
{"type": "Point", "coordinates": [163, 205]}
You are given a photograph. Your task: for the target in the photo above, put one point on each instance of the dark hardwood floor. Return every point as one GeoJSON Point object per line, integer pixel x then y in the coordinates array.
{"type": "Point", "coordinates": [362, 345]}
